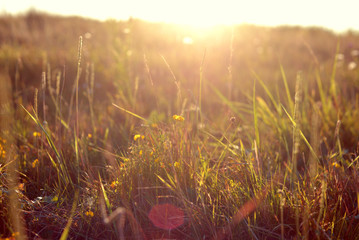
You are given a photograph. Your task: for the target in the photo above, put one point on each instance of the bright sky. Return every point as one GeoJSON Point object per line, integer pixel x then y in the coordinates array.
{"type": "Point", "coordinates": [337, 15]}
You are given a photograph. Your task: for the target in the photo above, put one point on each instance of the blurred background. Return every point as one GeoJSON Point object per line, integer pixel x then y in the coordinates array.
{"type": "Point", "coordinates": [329, 14]}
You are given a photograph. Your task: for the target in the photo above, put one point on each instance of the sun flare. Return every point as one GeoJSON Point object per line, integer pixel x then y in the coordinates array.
{"type": "Point", "coordinates": [204, 14]}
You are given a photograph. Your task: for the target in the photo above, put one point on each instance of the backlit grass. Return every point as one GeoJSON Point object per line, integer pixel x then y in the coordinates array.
{"type": "Point", "coordinates": [135, 134]}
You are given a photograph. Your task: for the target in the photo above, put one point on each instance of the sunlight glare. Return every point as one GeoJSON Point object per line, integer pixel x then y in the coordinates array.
{"type": "Point", "coordinates": [202, 13]}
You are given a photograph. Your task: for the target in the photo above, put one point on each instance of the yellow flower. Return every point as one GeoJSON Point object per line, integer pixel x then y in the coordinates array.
{"type": "Point", "coordinates": [89, 213]}
{"type": "Point", "coordinates": [55, 199]}
{"type": "Point", "coordinates": [336, 165]}
{"type": "Point", "coordinates": [114, 184]}
{"type": "Point", "coordinates": [2, 152]}
{"type": "Point", "coordinates": [138, 136]}
{"type": "Point", "coordinates": [140, 152]}
{"type": "Point", "coordinates": [89, 135]}
{"type": "Point", "coordinates": [35, 163]}
{"type": "Point", "coordinates": [21, 186]}
{"type": "Point", "coordinates": [36, 134]}
{"type": "Point", "coordinates": [176, 164]}
{"type": "Point", "coordinates": [178, 118]}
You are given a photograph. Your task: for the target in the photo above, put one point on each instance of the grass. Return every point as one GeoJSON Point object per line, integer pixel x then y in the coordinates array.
{"type": "Point", "coordinates": [180, 145]}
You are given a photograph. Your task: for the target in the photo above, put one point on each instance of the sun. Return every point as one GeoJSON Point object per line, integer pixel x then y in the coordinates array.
{"type": "Point", "coordinates": [202, 14]}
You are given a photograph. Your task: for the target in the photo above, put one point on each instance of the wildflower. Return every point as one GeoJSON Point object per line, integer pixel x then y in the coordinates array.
{"type": "Point", "coordinates": [336, 165]}
{"type": "Point", "coordinates": [140, 152]}
{"type": "Point", "coordinates": [21, 186]}
{"type": "Point", "coordinates": [2, 151]}
{"type": "Point", "coordinates": [35, 163]}
{"type": "Point", "coordinates": [88, 35]}
{"type": "Point", "coordinates": [36, 134]}
{"type": "Point", "coordinates": [55, 199]}
{"type": "Point", "coordinates": [232, 184]}
{"type": "Point", "coordinates": [157, 160]}
{"type": "Point", "coordinates": [178, 118]}
{"type": "Point", "coordinates": [354, 53]}
{"type": "Point", "coordinates": [114, 184]}
{"type": "Point", "coordinates": [352, 65]}
{"type": "Point", "coordinates": [89, 213]}
{"type": "Point", "coordinates": [176, 164]}
{"type": "Point", "coordinates": [138, 136]}
{"type": "Point", "coordinates": [89, 135]}
{"type": "Point", "coordinates": [340, 57]}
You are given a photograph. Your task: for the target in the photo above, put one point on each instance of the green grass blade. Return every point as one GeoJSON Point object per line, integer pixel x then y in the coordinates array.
{"type": "Point", "coordinates": [289, 98]}
{"type": "Point", "coordinates": [270, 95]}
{"type": "Point", "coordinates": [48, 137]}
{"type": "Point", "coordinates": [226, 147]}
{"type": "Point", "coordinates": [255, 115]}
{"type": "Point", "coordinates": [333, 87]}
{"type": "Point", "coordinates": [131, 113]}
{"type": "Point", "coordinates": [65, 233]}
{"type": "Point", "coordinates": [226, 101]}
{"type": "Point", "coordinates": [302, 135]}
{"type": "Point", "coordinates": [107, 201]}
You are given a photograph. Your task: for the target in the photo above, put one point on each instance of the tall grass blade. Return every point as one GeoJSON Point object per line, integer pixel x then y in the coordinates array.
{"type": "Point", "coordinates": [302, 136]}
{"type": "Point", "coordinates": [107, 201]}
{"type": "Point", "coordinates": [333, 87]}
{"type": "Point", "coordinates": [289, 98]}
{"type": "Point", "coordinates": [270, 95]}
{"type": "Point", "coordinates": [77, 83]}
{"type": "Point", "coordinates": [230, 67]}
{"type": "Point", "coordinates": [314, 142]}
{"type": "Point", "coordinates": [323, 96]}
{"type": "Point", "coordinates": [131, 113]}
{"type": "Point", "coordinates": [226, 101]}
{"type": "Point", "coordinates": [177, 83]}
{"type": "Point", "coordinates": [255, 115]}
{"type": "Point", "coordinates": [48, 137]}
{"type": "Point", "coordinates": [296, 146]}
{"type": "Point", "coordinates": [199, 112]}
{"type": "Point", "coordinates": [65, 233]}
{"type": "Point", "coordinates": [11, 160]}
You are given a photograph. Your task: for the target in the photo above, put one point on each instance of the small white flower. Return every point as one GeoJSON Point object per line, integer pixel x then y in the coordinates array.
{"type": "Point", "coordinates": [88, 35]}
{"type": "Point", "coordinates": [340, 57]}
{"type": "Point", "coordinates": [352, 65]}
{"type": "Point", "coordinates": [354, 53]}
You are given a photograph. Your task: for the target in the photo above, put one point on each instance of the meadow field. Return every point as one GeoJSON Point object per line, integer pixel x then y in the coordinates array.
{"type": "Point", "coordinates": [139, 130]}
